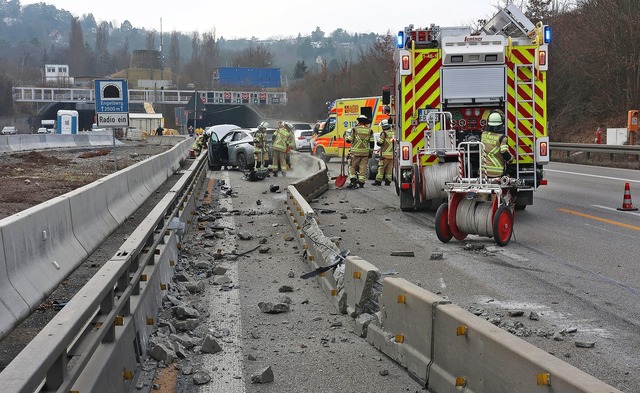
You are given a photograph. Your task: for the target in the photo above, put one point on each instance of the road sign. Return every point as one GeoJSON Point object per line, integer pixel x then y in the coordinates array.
{"type": "Point", "coordinates": [112, 102]}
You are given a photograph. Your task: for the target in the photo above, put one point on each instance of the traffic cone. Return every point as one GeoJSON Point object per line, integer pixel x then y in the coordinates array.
{"type": "Point", "coordinates": [626, 202]}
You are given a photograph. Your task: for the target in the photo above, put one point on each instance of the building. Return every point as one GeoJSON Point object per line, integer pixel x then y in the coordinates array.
{"type": "Point", "coordinates": [57, 74]}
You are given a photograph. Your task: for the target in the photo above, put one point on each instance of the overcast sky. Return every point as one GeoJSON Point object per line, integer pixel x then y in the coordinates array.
{"type": "Point", "coordinates": [280, 18]}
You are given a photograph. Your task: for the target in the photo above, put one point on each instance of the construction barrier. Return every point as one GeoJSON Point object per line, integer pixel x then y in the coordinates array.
{"type": "Point", "coordinates": [442, 345]}
{"type": "Point", "coordinates": [30, 142]}
{"type": "Point", "coordinates": [45, 243]}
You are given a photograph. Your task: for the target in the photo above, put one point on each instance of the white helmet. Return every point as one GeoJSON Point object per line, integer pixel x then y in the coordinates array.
{"type": "Point", "coordinates": [289, 126]}
{"type": "Point", "coordinates": [363, 119]}
{"type": "Point", "coordinates": [385, 125]}
{"type": "Point", "coordinates": [495, 119]}
{"type": "Point", "coordinates": [263, 125]}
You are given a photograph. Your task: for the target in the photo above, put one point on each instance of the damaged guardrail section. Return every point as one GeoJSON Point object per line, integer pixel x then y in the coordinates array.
{"type": "Point", "coordinates": [445, 347]}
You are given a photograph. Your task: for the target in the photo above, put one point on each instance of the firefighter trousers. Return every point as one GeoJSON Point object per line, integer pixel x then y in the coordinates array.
{"type": "Point", "coordinates": [279, 161]}
{"type": "Point", "coordinates": [358, 168]}
{"type": "Point", "coordinates": [385, 169]}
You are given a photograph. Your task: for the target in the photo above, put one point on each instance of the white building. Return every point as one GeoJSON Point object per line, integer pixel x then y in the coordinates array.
{"type": "Point", "coordinates": [57, 74]}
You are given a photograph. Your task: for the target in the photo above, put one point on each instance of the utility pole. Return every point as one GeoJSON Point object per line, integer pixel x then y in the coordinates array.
{"type": "Point", "coordinates": [195, 110]}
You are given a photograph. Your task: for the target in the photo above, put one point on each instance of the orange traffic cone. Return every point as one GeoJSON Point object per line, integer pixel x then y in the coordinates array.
{"type": "Point", "coordinates": [626, 202]}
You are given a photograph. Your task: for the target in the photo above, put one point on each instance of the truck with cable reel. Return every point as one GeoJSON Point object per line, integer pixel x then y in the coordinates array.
{"type": "Point", "coordinates": [447, 82]}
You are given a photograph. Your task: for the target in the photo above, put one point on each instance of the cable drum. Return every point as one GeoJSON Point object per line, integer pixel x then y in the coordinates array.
{"type": "Point", "coordinates": [475, 217]}
{"type": "Point", "coordinates": [435, 176]}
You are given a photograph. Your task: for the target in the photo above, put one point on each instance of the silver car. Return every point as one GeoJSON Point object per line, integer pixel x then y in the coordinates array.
{"type": "Point", "coordinates": [234, 149]}
{"type": "Point", "coordinates": [9, 130]}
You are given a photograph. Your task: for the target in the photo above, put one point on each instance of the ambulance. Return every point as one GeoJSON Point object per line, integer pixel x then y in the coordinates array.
{"type": "Point", "coordinates": [343, 113]}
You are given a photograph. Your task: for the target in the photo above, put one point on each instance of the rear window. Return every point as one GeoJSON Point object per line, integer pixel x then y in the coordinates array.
{"type": "Point", "coordinates": [306, 133]}
{"type": "Point", "coordinates": [302, 126]}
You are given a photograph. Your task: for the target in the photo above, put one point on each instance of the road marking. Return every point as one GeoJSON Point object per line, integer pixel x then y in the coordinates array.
{"type": "Point", "coordinates": [595, 218]}
{"type": "Point", "coordinates": [596, 176]}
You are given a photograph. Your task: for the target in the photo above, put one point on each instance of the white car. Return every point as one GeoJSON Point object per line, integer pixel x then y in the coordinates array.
{"type": "Point", "coordinates": [302, 136]}
{"type": "Point", "coordinates": [9, 130]}
{"type": "Point", "coordinates": [42, 130]}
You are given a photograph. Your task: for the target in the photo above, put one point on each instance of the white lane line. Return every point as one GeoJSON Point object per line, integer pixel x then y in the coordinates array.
{"type": "Point", "coordinates": [225, 367]}
{"type": "Point", "coordinates": [596, 176]}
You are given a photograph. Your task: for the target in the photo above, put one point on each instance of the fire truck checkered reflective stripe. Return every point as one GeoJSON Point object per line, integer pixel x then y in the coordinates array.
{"type": "Point", "coordinates": [426, 86]}
{"type": "Point", "coordinates": [526, 96]}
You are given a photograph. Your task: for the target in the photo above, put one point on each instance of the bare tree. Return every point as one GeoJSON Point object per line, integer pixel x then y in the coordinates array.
{"type": "Point", "coordinates": [174, 55]}
{"type": "Point", "coordinates": [77, 51]}
{"type": "Point", "coordinates": [102, 38]}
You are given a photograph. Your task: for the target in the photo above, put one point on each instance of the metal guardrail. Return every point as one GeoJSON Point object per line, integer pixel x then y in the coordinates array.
{"type": "Point", "coordinates": [100, 314]}
{"type": "Point", "coordinates": [593, 148]}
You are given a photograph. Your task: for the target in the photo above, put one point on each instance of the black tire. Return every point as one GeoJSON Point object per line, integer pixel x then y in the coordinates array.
{"type": "Point", "coordinates": [503, 225]}
{"type": "Point", "coordinates": [370, 174]}
{"type": "Point", "coordinates": [241, 161]}
{"type": "Point", "coordinates": [521, 207]}
{"type": "Point", "coordinates": [442, 223]}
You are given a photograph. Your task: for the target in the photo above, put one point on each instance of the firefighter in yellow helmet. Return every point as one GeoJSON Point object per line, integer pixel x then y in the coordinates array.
{"type": "Point", "coordinates": [385, 163]}
{"type": "Point", "coordinates": [260, 147]}
{"type": "Point", "coordinates": [496, 146]}
{"type": "Point", "coordinates": [360, 139]}
{"type": "Point", "coordinates": [282, 143]}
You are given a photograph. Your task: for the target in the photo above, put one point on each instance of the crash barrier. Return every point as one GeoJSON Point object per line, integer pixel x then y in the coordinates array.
{"type": "Point", "coordinates": [316, 180]}
{"type": "Point", "coordinates": [445, 347]}
{"type": "Point", "coordinates": [45, 243]}
{"type": "Point", "coordinates": [28, 142]}
{"type": "Point", "coordinates": [96, 341]}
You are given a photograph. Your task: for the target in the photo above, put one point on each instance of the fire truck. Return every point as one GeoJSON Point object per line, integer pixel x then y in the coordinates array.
{"type": "Point", "coordinates": [343, 114]}
{"type": "Point", "coordinates": [447, 82]}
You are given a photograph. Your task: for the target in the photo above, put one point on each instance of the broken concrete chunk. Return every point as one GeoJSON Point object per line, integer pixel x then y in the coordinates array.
{"type": "Point", "coordinates": [516, 313]}
{"type": "Point", "coordinates": [270, 308]}
{"type": "Point", "coordinates": [265, 376]}
{"type": "Point", "coordinates": [221, 280]}
{"type": "Point", "coordinates": [285, 288]}
{"type": "Point", "coordinates": [533, 316]}
{"type": "Point", "coordinates": [210, 345]}
{"type": "Point", "coordinates": [402, 254]}
{"type": "Point", "coordinates": [220, 270]}
{"type": "Point", "coordinates": [245, 236]}
{"type": "Point", "coordinates": [436, 256]}
{"type": "Point", "coordinates": [585, 344]}
{"type": "Point", "coordinates": [201, 378]}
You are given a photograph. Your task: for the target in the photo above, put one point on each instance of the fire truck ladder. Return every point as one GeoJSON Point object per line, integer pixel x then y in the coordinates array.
{"type": "Point", "coordinates": [525, 80]}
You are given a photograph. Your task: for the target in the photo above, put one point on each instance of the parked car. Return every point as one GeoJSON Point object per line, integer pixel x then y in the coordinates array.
{"type": "Point", "coordinates": [9, 130]}
{"type": "Point", "coordinates": [302, 138]}
{"type": "Point", "coordinates": [43, 130]}
{"type": "Point", "coordinates": [234, 149]}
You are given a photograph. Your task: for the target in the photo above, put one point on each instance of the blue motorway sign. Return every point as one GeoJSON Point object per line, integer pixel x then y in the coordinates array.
{"type": "Point", "coordinates": [112, 96]}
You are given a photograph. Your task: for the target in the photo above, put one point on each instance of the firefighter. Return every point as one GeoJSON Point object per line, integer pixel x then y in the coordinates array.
{"type": "Point", "coordinates": [360, 139]}
{"type": "Point", "coordinates": [199, 144]}
{"type": "Point", "coordinates": [260, 148]}
{"type": "Point", "coordinates": [385, 163]}
{"type": "Point", "coordinates": [496, 146]}
{"type": "Point", "coordinates": [282, 143]}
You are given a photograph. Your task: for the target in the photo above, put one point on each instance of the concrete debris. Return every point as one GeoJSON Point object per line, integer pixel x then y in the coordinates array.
{"type": "Point", "coordinates": [245, 236]}
{"type": "Point", "coordinates": [264, 250]}
{"type": "Point", "coordinates": [220, 270]}
{"type": "Point", "coordinates": [585, 344]}
{"type": "Point", "coordinates": [258, 202]}
{"type": "Point", "coordinates": [362, 324]}
{"type": "Point", "coordinates": [336, 324]}
{"type": "Point", "coordinates": [270, 308]}
{"type": "Point", "coordinates": [558, 336]}
{"type": "Point", "coordinates": [533, 316]}
{"type": "Point", "coordinates": [473, 247]}
{"type": "Point", "coordinates": [384, 372]}
{"type": "Point", "coordinates": [291, 274]}
{"type": "Point", "coordinates": [201, 378]}
{"type": "Point", "coordinates": [210, 345]}
{"type": "Point", "coordinates": [516, 313]}
{"type": "Point", "coordinates": [359, 210]}
{"type": "Point", "coordinates": [251, 357]}
{"type": "Point", "coordinates": [162, 353]}
{"type": "Point", "coordinates": [184, 312]}
{"type": "Point", "coordinates": [274, 188]}
{"type": "Point", "coordinates": [265, 376]}
{"type": "Point", "coordinates": [195, 287]}
{"type": "Point", "coordinates": [571, 329]}
{"type": "Point", "coordinates": [436, 256]}
{"type": "Point", "coordinates": [402, 254]}
{"type": "Point", "coordinates": [285, 288]}
{"type": "Point", "coordinates": [27, 181]}
{"type": "Point", "coordinates": [221, 280]}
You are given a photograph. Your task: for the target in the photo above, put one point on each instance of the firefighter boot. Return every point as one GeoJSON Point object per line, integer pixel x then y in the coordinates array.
{"type": "Point", "coordinates": [275, 174]}
{"type": "Point", "coordinates": [387, 182]}
{"type": "Point", "coordinates": [353, 184]}
{"type": "Point", "coordinates": [376, 183]}
{"type": "Point", "coordinates": [283, 174]}
{"type": "Point", "coordinates": [361, 184]}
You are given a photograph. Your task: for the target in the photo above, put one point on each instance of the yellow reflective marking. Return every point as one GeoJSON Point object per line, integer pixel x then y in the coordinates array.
{"type": "Point", "coordinates": [616, 223]}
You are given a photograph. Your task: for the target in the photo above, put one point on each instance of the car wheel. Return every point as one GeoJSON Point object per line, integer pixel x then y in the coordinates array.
{"type": "Point", "coordinates": [242, 161]}
{"type": "Point", "coordinates": [322, 155]}
{"type": "Point", "coordinates": [371, 174]}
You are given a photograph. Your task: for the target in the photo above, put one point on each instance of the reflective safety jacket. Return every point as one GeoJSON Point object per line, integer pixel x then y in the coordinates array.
{"type": "Point", "coordinates": [495, 145]}
{"type": "Point", "coordinates": [385, 141]}
{"type": "Point", "coordinates": [283, 139]}
{"type": "Point", "coordinates": [260, 141]}
{"type": "Point", "coordinates": [360, 140]}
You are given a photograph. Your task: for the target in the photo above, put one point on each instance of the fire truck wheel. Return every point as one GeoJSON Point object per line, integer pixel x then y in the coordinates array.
{"type": "Point", "coordinates": [442, 224]}
{"type": "Point", "coordinates": [453, 208]}
{"type": "Point", "coordinates": [502, 225]}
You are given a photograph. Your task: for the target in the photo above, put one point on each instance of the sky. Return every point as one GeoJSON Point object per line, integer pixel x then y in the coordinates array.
{"type": "Point", "coordinates": [280, 18]}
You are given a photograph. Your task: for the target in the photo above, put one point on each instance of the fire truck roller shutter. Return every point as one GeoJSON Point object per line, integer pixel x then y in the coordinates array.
{"type": "Point", "coordinates": [434, 178]}
{"type": "Point", "coordinates": [473, 85]}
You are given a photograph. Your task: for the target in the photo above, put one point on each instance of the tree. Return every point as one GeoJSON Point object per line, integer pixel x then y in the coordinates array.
{"type": "Point", "coordinates": [6, 96]}
{"type": "Point", "coordinates": [317, 35]}
{"type": "Point", "coordinates": [151, 40]}
{"type": "Point", "coordinates": [258, 56]}
{"type": "Point", "coordinates": [77, 51]}
{"type": "Point", "coordinates": [126, 26]}
{"type": "Point", "coordinates": [174, 55]}
{"type": "Point", "coordinates": [538, 10]}
{"type": "Point", "coordinates": [102, 40]}
{"type": "Point", "coordinates": [300, 69]}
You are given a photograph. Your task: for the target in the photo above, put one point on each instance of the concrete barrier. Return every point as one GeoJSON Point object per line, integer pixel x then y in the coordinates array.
{"type": "Point", "coordinates": [4, 144]}
{"type": "Point", "coordinates": [442, 345]}
{"type": "Point", "coordinates": [136, 183]}
{"type": "Point", "coordinates": [119, 202]}
{"type": "Point", "coordinates": [40, 249]}
{"type": "Point", "coordinates": [61, 140]}
{"type": "Point", "coordinates": [90, 217]}
{"type": "Point", "coordinates": [22, 142]}
{"type": "Point", "coordinates": [13, 308]}
{"type": "Point", "coordinates": [82, 140]}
